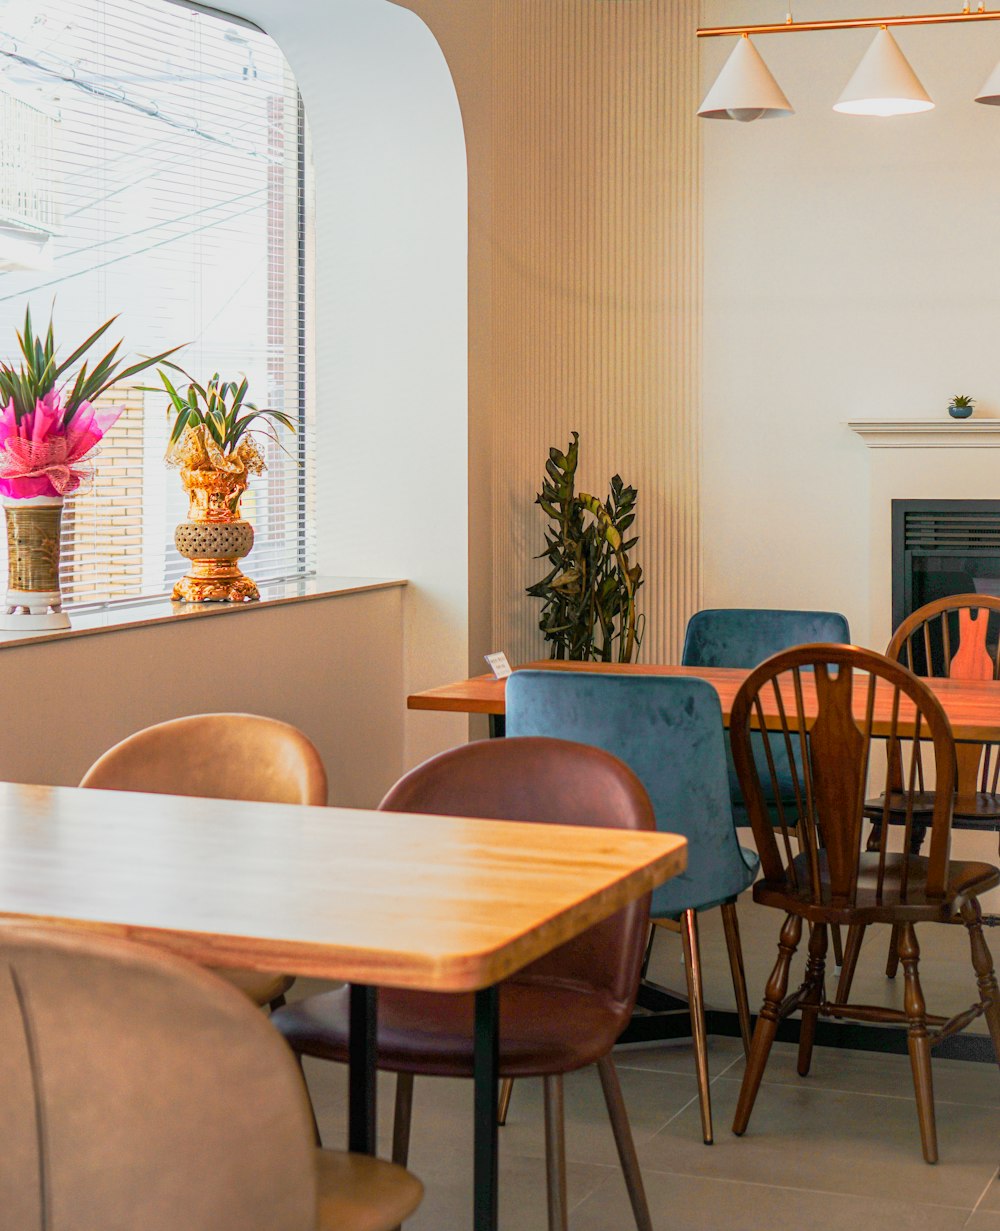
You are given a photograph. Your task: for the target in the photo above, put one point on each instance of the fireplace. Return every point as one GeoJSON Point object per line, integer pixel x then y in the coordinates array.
{"type": "Point", "coordinates": [942, 547]}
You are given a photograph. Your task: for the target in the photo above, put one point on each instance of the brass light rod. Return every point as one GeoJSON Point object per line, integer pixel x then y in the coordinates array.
{"type": "Point", "coordinates": [849, 23]}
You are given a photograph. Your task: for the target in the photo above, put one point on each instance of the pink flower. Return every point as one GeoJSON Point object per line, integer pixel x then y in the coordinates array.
{"type": "Point", "coordinates": [39, 456]}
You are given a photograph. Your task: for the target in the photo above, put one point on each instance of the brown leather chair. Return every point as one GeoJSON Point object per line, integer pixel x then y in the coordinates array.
{"type": "Point", "coordinates": [815, 868]}
{"type": "Point", "coordinates": [219, 756]}
{"type": "Point", "coordinates": [560, 1013]}
{"type": "Point", "coordinates": [137, 1091]}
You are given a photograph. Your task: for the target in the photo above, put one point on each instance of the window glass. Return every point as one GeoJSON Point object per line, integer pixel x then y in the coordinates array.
{"type": "Point", "coordinates": [153, 164]}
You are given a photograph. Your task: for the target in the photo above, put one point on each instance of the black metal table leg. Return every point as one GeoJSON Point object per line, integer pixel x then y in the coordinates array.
{"type": "Point", "coordinates": [362, 1070]}
{"type": "Point", "coordinates": [498, 726]}
{"type": "Point", "coordinates": [486, 1071]}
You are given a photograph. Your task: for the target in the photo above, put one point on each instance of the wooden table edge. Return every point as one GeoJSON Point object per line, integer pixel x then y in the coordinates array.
{"type": "Point", "coordinates": [459, 972]}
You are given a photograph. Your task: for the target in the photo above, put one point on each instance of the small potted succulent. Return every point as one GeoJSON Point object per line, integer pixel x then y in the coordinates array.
{"type": "Point", "coordinates": [960, 406]}
{"type": "Point", "coordinates": [212, 442]}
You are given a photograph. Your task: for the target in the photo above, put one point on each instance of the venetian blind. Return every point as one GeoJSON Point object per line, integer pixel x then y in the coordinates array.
{"type": "Point", "coordinates": [153, 164]}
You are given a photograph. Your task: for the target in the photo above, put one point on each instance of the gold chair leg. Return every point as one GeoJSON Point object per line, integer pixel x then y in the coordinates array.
{"type": "Point", "coordinates": [767, 1022]}
{"type": "Point", "coordinates": [696, 1006]}
{"type": "Point", "coordinates": [918, 1040]}
{"type": "Point", "coordinates": [982, 963]}
{"type": "Point", "coordinates": [503, 1103]}
{"type": "Point", "coordinates": [815, 968]}
{"type": "Point", "coordinates": [852, 950]}
{"type": "Point", "coordinates": [731, 925]}
{"type": "Point", "coordinates": [623, 1141]}
{"type": "Point", "coordinates": [555, 1151]}
{"type": "Point", "coordinates": [402, 1115]}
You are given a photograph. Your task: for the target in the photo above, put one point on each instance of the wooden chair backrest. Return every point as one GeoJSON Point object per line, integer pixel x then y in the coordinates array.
{"type": "Point", "coordinates": [948, 638]}
{"type": "Point", "coordinates": [833, 741]}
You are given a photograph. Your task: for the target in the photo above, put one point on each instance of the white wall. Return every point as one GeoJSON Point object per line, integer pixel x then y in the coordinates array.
{"type": "Point", "coordinates": [69, 699]}
{"type": "Point", "coordinates": [852, 269]}
{"type": "Point", "coordinates": [391, 320]}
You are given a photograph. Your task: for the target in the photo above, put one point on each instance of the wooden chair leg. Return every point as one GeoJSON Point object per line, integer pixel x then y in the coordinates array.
{"type": "Point", "coordinates": [918, 1040]}
{"type": "Point", "coordinates": [767, 1022]}
{"type": "Point", "coordinates": [402, 1116]}
{"type": "Point", "coordinates": [555, 1151]}
{"type": "Point", "coordinates": [892, 961]}
{"type": "Point", "coordinates": [815, 969]}
{"type": "Point", "coordinates": [982, 963]}
{"type": "Point", "coordinates": [852, 950]}
{"type": "Point", "coordinates": [623, 1140]}
{"type": "Point", "coordinates": [649, 951]}
{"type": "Point", "coordinates": [696, 1007]}
{"type": "Point", "coordinates": [838, 945]}
{"type": "Point", "coordinates": [731, 925]}
{"type": "Point", "coordinates": [312, 1110]}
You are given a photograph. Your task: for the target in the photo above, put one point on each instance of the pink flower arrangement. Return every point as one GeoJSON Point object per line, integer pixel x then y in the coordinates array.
{"type": "Point", "coordinates": [40, 454]}
{"type": "Point", "coordinates": [48, 423]}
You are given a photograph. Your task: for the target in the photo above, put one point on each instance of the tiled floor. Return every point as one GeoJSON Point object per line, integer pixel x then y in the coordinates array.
{"type": "Point", "coordinates": [838, 1148]}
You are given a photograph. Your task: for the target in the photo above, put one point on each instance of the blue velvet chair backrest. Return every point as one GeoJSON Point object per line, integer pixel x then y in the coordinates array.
{"type": "Point", "coordinates": [744, 637]}
{"type": "Point", "coordinates": [669, 732]}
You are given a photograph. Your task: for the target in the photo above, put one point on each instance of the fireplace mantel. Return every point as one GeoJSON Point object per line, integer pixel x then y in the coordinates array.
{"type": "Point", "coordinates": [928, 433]}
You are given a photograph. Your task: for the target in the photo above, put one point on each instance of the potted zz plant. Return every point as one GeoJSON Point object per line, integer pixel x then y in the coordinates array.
{"type": "Point", "coordinates": [212, 443]}
{"type": "Point", "coordinates": [49, 427]}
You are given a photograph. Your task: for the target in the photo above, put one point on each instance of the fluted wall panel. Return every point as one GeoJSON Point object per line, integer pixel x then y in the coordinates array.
{"type": "Point", "coordinates": [584, 309]}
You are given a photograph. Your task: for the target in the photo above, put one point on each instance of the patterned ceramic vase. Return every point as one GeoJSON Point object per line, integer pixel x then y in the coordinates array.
{"type": "Point", "coordinates": [34, 527]}
{"type": "Point", "coordinates": [214, 539]}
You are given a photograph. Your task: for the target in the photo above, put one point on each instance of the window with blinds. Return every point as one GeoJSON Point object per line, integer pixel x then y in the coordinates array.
{"type": "Point", "coordinates": [153, 164]}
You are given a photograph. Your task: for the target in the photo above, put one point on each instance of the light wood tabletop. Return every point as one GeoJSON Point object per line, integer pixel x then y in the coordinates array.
{"type": "Point", "coordinates": [972, 706]}
{"type": "Point", "coordinates": [438, 903]}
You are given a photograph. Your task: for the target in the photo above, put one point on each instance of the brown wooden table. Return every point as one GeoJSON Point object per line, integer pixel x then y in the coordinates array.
{"type": "Point", "coordinates": [972, 706]}
{"type": "Point", "coordinates": [373, 898]}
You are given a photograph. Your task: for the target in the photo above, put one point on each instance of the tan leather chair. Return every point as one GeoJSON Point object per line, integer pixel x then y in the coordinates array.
{"type": "Point", "coordinates": [137, 1091]}
{"type": "Point", "coordinates": [561, 1012]}
{"type": "Point", "coordinates": [219, 756]}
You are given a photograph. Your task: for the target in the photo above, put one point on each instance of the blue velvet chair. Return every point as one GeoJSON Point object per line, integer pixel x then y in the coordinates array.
{"type": "Point", "coordinates": [744, 637]}
{"type": "Point", "coordinates": [669, 732]}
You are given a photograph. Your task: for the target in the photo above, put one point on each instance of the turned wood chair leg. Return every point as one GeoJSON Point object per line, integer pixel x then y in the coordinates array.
{"type": "Point", "coordinates": [402, 1116]}
{"type": "Point", "coordinates": [696, 1007]}
{"type": "Point", "coordinates": [503, 1102]}
{"type": "Point", "coordinates": [623, 1141]}
{"type": "Point", "coordinates": [852, 950]}
{"type": "Point", "coordinates": [982, 963]}
{"type": "Point", "coordinates": [767, 1022]}
{"type": "Point", "coordinates": [892, 961]}
{"type": "Point", "coordinates": [815, 969]}
{"type": "Point", "coordinates": [918, 1040]}
{"type": "Point", "coordinates": [731, 925]}
{"type": "Point", "coordinates": [555, 1151]}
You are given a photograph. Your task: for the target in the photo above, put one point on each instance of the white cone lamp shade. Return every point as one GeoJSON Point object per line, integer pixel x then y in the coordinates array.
{"type": "Point", "coordinates": [990, 93]}
{"type": "Point", "coordinates": [883, 83]}
{"type": "Point", "coordinates": [745, 89]}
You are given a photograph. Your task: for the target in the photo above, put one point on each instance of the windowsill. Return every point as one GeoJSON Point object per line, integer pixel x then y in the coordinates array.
{"type": "Point", "coordinates": [162, 611]}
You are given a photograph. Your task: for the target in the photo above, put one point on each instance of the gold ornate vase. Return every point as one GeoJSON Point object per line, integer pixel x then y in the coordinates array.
{"type": "Point", "coordinates": [214, 539]}
{"type": "Point", "coordinates": [33, 533]}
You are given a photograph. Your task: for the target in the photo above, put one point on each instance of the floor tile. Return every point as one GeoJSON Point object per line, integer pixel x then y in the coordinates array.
{"type": "Point", "coordinates": [688, 1203]}
{"type": "Point", "coordinates": [835, 1142]}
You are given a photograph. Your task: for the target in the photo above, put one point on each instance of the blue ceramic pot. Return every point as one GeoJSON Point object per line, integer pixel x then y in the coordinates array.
{"type": "Point", "coordinates": [960, 412]}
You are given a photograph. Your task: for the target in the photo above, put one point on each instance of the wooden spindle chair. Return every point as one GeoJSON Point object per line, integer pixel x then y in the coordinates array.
{"type": "Point", "coordinates": [815, 865]}
{"type": "Point", "coordinates": [958, 638]}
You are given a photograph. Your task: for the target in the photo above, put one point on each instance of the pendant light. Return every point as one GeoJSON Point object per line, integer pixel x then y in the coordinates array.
{"type": "Point", "coordinates": [745, 89]}
{"type": "Point", "coordinates": [883, 83]}
{"type": "Point", "coordinates": [990, 93]}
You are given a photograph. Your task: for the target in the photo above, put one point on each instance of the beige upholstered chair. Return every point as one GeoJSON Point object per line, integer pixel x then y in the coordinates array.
{"type": "Point", "coordinates": [219, 756]}
{"type": "Point", "coordinates": [137, 1091]}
